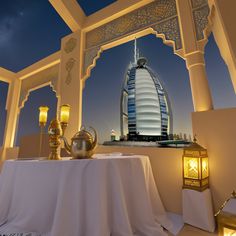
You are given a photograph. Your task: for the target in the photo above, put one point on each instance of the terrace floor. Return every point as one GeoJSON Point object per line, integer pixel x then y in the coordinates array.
{"type": "Point", "coordinates": [192, 231]}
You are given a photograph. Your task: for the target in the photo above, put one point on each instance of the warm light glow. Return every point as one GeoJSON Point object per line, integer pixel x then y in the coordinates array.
{"type": "Point", "coordinates": [195, 167]}
{"type": "Point", "coordinates": [65, 113]}
{"type": "Point", "coordinates": [43, 115]}
{"type": "Point", "coordinates": [205, 168]}
{"type": "Point", "coordinates": [191, 167]}
{"type": "Point", "coordinates": [229, 232]}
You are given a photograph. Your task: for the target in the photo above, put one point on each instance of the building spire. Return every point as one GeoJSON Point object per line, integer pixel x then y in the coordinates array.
{"type": "Point", "coordinates": [137, 54]}
{"type": "Point", "coordinates": [135, 51]}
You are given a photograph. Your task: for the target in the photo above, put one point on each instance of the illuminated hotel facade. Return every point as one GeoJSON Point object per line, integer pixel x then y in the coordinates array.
{"type": "Point", "coordinates": [145, 108]}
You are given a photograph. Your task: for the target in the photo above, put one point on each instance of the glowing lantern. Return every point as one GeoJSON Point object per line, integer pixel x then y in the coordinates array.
{"type": "Point", "coordinates": [226, 217]}
{"type": "Point", "coordinates": [43, 115]}
{"type": "Point", "coordinates": [195, 167]}
{"type": "Point", "coordinates": [64, 116]}
{"type": "Point", "coordinates": [229, 232]}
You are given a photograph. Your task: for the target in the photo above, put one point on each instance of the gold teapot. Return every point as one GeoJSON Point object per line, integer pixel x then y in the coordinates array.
{"type": "Point", "coordinates": [82, 144]}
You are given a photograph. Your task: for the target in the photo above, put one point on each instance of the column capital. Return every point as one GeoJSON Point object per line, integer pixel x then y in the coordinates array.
{"type": "Point", "coordinates": [194, 59]}
{"type": "Point", "coordinates": [201, 94]}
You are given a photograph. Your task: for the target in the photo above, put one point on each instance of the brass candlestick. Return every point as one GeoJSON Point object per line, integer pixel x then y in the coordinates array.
{"type": "Point", "coordinates": [56, 130]}
{"type": "Point", "coordinates": [63, 127]}
{"type": "Point", "coordinates": [55, 133]}
{"type": "Point", "coordinates": [40, 139]}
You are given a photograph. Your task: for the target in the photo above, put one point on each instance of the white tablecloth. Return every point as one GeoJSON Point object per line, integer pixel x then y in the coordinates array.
{"type": "Point", "coordinates": [198, 209]}
{"type": "Point", "coordinates": [105, 196]}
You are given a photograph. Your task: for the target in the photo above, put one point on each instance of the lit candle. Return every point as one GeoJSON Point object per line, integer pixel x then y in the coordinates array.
{"type": "Point", "coordinates": [43, 115]}
{"type": "Point", "coordinates": [65, 113]}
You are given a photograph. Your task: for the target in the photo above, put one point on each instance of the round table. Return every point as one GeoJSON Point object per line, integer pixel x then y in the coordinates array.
{"type": "Point", "coordinates": [107, 195]}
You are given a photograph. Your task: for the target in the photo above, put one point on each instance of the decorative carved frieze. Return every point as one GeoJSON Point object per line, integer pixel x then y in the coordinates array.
{"type": "Point", "coordinates": [69, 66]}
{"type": "Point", "coordinates": [200, 17]}
{"type": "Point", "coordinates": [160, 15]}
{"type": "Point", "coordinates": [89, 56]}
{"type": "Point", "coordinates": [171, 31]}
{"type": "Point", "coordinates": [198, 3]}
{"type": "Point", "coordinates": [70, 45]}
{"type": "Point", "coordinates": [144, 17]}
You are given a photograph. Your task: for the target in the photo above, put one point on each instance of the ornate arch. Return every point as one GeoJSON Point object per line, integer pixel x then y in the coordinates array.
{"type": "Point", "coordinates": [90, 58]}
{"type": "Point", "coordinates": [47, 77]}
{"type": "Point", "coordinates": [208, 27]}
{"type": "Point", "coordinates": [202, 16]}
{"type": "Point", "coordinates": [159, 17]}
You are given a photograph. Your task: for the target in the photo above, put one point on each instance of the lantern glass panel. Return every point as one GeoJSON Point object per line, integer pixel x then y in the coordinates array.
{"type": "Point", "coordinates": [191, 167]}
{"type": "Point", "coordinates": [205, 169]}
{"type": "Point", "coordinates": [229, 232]}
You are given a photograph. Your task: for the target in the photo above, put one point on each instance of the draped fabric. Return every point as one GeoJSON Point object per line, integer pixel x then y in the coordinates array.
{"type": "Point", "coordinates": [104, 196]}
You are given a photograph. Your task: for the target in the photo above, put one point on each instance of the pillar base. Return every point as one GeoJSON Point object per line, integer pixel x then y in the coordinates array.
{"type": "Point", "coordinates": [198, 210]}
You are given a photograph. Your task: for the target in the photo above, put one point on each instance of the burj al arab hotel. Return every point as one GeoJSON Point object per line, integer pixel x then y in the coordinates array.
{"type": "Point", "coordinates": [145, 108]}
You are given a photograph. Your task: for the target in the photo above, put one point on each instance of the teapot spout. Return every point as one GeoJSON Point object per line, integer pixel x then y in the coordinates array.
{"type": "Point", "coordinates": [94, 144]}
{"type": "Point", "coordinates": [67, 146]}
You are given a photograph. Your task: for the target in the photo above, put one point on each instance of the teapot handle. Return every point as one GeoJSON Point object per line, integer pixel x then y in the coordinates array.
{"type": "Point", "coordinates": [95, 137]}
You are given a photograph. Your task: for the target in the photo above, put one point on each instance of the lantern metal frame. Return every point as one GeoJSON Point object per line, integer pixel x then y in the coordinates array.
{"type": "Point", "coordinates": [197, 152]}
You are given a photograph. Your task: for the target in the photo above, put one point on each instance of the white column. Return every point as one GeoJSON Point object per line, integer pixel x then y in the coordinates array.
{"type": "Point", "coordinates": [201, 94]}
{"type": "Point", "coordinates": [12, 114]}
{"type": "Point", "coordinates": [198, 209]}
{"type": "Point", "coordinates": [70, 83]}
{"type": "Point", "coordinates": [194, 57]}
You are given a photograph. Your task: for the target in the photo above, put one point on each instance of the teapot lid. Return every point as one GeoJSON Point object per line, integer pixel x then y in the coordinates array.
{"type": "Point", "coordinates": [83, 134]}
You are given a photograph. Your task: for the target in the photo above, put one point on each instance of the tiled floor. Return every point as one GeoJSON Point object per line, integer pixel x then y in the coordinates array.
{"type": "Point", "coordinates": [191, 231]}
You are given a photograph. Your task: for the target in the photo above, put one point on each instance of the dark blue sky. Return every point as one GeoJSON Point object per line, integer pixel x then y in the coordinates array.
{"type": "Point", "coordinates": [91, 6]}
{"type": "Point", "coordinates": [31, 30]}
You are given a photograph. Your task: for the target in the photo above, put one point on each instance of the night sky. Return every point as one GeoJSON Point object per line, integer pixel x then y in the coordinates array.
{"type": "Point", "coordinates": [32, 30]}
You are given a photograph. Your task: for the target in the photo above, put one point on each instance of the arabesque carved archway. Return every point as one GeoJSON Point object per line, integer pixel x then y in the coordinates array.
{"type": "Point", "coordinates": [182, 24]}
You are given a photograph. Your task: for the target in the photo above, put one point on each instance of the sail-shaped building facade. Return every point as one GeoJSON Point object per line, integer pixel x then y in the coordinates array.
{"type": "Point", "coordinates": [145, 108]}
